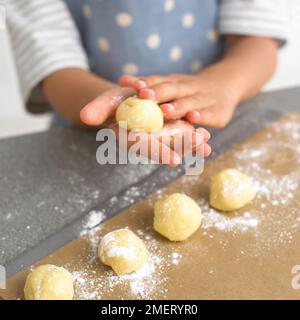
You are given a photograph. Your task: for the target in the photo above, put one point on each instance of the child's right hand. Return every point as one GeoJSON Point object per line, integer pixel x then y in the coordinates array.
{"type": "Point", "coordinates": [101, 111]}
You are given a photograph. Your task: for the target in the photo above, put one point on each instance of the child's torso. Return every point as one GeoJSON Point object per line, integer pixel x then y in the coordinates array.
{"type": "Point", "coordinates": [147, 36]}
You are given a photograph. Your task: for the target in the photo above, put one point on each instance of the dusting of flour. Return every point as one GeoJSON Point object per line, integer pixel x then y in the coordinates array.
{"type": "Point", "coordinates": [274, 165]}
{"type": "Point", "coordinates": [147, 283]}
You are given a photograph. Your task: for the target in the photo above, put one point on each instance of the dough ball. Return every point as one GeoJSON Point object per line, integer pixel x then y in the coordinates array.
{"type": "Point", "coordinates": [177, 217]}
{"type": "Point", "coordinates": [49, 282]}
{"type": "Point", "coordinates": [231, 190]}
{"type": "Point", "coordinates": [140, 115]}
{"type": "Point", "coordinates": [123, 251]}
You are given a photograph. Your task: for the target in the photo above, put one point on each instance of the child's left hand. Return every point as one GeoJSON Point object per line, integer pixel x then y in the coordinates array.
{"type": "Point", "coordinates": [201, 99]}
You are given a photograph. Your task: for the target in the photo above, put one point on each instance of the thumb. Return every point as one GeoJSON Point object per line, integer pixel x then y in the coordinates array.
{"type": "Point", "coordinates": [100, 109]}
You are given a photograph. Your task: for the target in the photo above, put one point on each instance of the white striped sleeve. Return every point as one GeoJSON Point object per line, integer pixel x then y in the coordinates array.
{"type": "Point", "coordinates": [267, 18]}
{"type": "Point", "coordinates": [44, 39]}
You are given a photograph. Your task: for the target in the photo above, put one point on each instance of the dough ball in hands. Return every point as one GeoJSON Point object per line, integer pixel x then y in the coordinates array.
{"type": "Point", "coordinates": [231, 190]}
{"type": "Point", "coordinates": [140, 115]}
{"type": "Point", "coordinates": [177, 217]}
{"type": "Point", "coordinates": [49, 282]}
{"type": "Point", "coordinates": [123, 251]}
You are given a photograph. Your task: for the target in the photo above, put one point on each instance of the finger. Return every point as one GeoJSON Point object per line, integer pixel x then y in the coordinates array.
{"type": "Point", "coordinates": [154, 79]}
{"type": "Point", "coordinates": [180, 107]}
{"type": "Point", "coordinates": [100, 109]}
{"type": "Point", "coordinates": [147, 82]}
{"type": "Point", "coordinates": [163, 153]}
{"type": "Point", "coordinates": [200, 136]}
{"type": "Point", "coordinates": [141, 82]}
{"type": "Point", "coordinates": [171, 130]}
{"type": "Point", "coordinates": [173, 127]}
{"type": "Point", "coordinates": [175, 139]}
{"type": "Point", "coordinates": [166, 91]}
{"type": "Point", "coordinates": [156, 150]}
{"type": "Point", "coordinates": [133, 82]}
{"type": "Point", "coordinates": [206, 135]}
{"type": "Point", "coordinates": [181, 136]}
{"type": "Point", "coordinates": [151, 147]}
{"type": "Point", "coordinates": [193, 117]}
{"type": "Point", "coordinates": [207, 150]}
{"type": "Point", "coordinates": [211, 117]}
{"type": "Point", "coordinates": [203, 150]}
{"type": "Point", "coordinates": [189, 142]}
{"type": "Point", "coordinates": [127, 80]}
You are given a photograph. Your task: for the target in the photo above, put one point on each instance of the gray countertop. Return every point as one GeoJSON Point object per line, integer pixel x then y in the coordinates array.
{"type": "Point", "coordinates": [50, 180]}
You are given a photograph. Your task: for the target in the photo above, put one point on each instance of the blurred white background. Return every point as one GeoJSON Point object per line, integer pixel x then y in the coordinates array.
{"type": "Point", "coordinates": [14, 120]}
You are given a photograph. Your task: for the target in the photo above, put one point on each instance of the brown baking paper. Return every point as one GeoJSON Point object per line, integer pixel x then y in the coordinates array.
{"type": "Point", "coordinates": [247, 254]}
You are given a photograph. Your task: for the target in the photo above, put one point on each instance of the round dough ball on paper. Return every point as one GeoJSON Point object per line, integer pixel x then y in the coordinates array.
{"type": "Point", "coordinates": [231, 190]}
{"type": "Point", "coordinates": [49, 282]}
{"type": "Point", "coordinates": [177, 217]}
{"type": "Point", "coordinates": [140, 115]}
{"type": "Point", "coordinates": [123, 251]}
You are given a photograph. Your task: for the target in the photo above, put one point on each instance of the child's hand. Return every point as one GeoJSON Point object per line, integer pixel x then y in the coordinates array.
{"type": "Point", "coordinates": [200, 98]}
{"type": "Point", "coordinates": [191, 140]}
{"type": "Point", "coordinates": [102, 109]}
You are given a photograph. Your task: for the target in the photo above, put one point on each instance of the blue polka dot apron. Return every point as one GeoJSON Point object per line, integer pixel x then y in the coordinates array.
{"type": "Point", "coordinates": [142, 37]}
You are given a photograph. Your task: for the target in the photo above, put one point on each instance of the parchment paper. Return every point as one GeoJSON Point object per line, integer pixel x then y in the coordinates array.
{"type": "Point", "coordinates": [248, 254]}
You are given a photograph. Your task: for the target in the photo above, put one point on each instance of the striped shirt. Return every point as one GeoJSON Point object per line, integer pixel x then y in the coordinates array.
{"type": "Point", "coordinates": [45, 38]}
